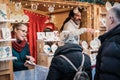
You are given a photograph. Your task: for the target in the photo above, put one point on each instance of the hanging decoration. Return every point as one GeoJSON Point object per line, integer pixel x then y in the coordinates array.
{"type": "Point", "coordinates": [34, 7]}
{"type": "Point", "coordinates": [19, 18]}
{"type": "Point", "coordinates": [18, 6]}
{"type": "Point", "coordinates": [108, 5]}
{"type": "Point", "coordinates": [50, 8]}
{"type": "Point", "coordinates": [16, 13]}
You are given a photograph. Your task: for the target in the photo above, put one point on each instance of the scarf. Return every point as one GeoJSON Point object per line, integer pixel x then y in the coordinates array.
{"type": "Point", "coordinates": [18, 45]}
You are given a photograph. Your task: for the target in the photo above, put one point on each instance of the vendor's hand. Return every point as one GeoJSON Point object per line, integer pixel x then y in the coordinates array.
{"type": "Point", "coordinates": [30, 58]}
{"type": "Point", "coordinates": [90, 30]}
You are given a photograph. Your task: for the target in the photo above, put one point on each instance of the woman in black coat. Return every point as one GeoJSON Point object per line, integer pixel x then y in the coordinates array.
{"type": "Point", "coordinates": [60, 69]}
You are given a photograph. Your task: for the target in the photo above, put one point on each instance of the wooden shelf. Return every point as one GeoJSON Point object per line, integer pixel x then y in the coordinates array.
{"type": "Point", "coordinates": [8, 58]}
{"type": "Point", "coordinates": [6, 65]}
{"type": "Point", "coordinates": [2, 40]}
{"type": "Point", "coordinates": [103, 13]}
{"type": "Point", "coordinates": [49, 40]}
{"type": "Point", "coordinates": [49, 55]}
{"type": "Point", "coordinates": [5, 72]}
{"type": "Point", "coordinates": [102, 26]}
{"type": "Point", "coordinates": [7, 21]}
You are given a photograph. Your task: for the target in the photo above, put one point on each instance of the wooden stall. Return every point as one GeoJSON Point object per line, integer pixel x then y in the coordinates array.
{"type": "Point", "coordinates": [6, 66]}
{"type": "Point", "coordinates": [90, 19]}
{"type": "Point", "coordinates": [60, 14]}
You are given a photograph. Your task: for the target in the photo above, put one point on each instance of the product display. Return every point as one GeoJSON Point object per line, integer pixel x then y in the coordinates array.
{"type": "Point", "coordinates": [50, 36]}
{"type": "Point", "coordinates": [94, 44]}
{"type": "Point", "coordinates": [8, 51]}
{"type": "Point", "coordinates": [6, 33]}
{"type": "Point", "coordinates": [3, 13]}
{"type": "Point", "coordinates": [47, 49]}
{"type": "Point", "coordinates": [84, 44]}
{"type": "Point", "coordinates": [19, 18]}
{"type": "Point", "coordinates": [54, 47]}
{"type": "Point", "coordinates": [93, 58]}
{"type": "Point", "coordinates": [41, 35]}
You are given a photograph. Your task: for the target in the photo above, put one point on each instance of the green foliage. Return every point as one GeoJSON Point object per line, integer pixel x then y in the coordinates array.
{"type": "Point", "coordinates": [94, 1]}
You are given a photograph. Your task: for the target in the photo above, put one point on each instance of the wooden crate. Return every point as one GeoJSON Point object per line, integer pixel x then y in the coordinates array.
{"type": "Point", "coordinates": [6, 70]}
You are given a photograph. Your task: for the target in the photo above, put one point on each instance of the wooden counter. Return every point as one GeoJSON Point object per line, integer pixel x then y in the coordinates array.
{"type": "Point", "coordinates": [6, 70]}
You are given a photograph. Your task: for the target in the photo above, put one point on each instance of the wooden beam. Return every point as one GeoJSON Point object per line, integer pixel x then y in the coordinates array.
{"type": "Point", "coordinates": [72, 3]}
{"type": "Point", "coordinates": [48, 13]}
{"type": "Point", "coordinates": [37, 11]}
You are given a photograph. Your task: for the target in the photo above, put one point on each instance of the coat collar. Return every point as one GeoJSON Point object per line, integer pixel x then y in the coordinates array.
{"type": "Point", "coordinates": [68, 48]}
{"type": "Point", "coordinates": [110, 33]}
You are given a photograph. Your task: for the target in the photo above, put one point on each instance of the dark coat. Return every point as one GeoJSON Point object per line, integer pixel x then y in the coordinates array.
{"type": "Point", "coordinates": [60, 69]}
{"type": "Point", "coordinates": [108, 58]}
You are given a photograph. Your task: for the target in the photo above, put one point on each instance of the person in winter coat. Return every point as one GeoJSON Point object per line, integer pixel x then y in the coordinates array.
{"type": "Point", "coordinates": [60, 69]}
{"type": "Point", "coordinates": [108, 58]}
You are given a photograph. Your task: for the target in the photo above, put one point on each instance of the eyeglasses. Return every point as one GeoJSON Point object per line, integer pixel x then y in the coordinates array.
{"type": "Point", "coordinates": [23, 31]}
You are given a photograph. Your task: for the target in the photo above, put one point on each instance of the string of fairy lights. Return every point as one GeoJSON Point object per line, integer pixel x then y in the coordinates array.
{"type": "Point", "coordinates": [51, 6]}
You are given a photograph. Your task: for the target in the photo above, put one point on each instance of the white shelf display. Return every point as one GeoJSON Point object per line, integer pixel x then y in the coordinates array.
{"type": "Point", "coordinates": [95, 44]}
{"type": "Point", "coordinates": [3, 12]}
{"type": "Point", "coordinates": [84, 45]}
{"type": "Point", "coordinates": [50, 48]}
{"type": "Point", "coordinates": [5, 51]}
{"type": "Point", "coordinates": [5, 35]}
{"type": "Point", "coordinates": [92, 49]}
{"type": "Point", "coordinates": [93, 58]}
{"type": "Point", "coordinates": [7, 20]}
{"type": "Point", "coordinates": [48, 36]}
{"type": "Point", "coordinates": [6, 66]}
{"type": "Point", "coordinates": [50, 40]}
{"type": "Point", "coordinates": [4, 40]}
{"type": "Point", "coordinates": [8, 58]}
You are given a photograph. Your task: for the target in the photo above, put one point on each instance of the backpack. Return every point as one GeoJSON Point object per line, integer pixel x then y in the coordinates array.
{"type": "Point", "coordinates": [80, 74]}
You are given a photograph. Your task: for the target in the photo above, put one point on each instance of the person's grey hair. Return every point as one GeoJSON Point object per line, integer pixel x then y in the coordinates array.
{"type": "Point", "coordinates": [116, 11]}
{"type": "Point", "coordinates": [69, 38]}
